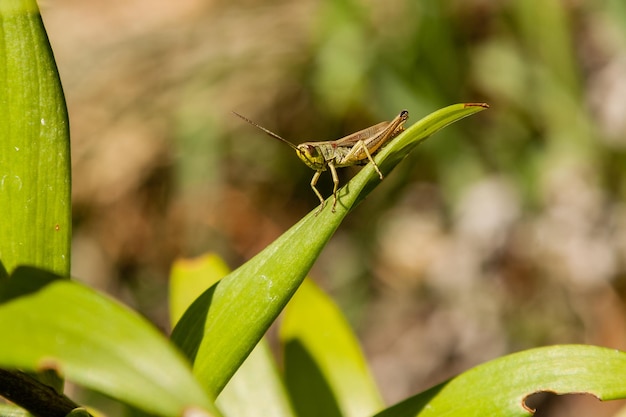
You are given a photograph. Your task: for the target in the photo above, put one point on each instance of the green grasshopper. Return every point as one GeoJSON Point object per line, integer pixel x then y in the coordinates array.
{"type": "Point", "coordinates": [353, 149]}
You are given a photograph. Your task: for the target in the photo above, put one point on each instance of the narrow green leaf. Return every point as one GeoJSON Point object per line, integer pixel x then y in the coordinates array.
{"type": "Point", "coordinates": [224, 324]}
{"type": "Point", "coordinates": [325, 370]}
{"type": "Point", "coordinates": [95, 342]}
{"type": "Point", "coordinates": [243, 395]}
{"type": "Point", "coordinates": [34, 145]}
{"type": "Point", "coordinates": [499, 387]}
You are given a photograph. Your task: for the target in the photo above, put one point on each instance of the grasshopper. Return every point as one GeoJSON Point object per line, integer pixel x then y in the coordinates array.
{"type": "Point", "coordinates": [354, 149]}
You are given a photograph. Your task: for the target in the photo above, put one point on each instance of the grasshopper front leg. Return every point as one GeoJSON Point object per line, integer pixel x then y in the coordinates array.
{"type": "Point", "coordinates": [333, 172]}
{"type": "Point", "coordinates": [317, 193]}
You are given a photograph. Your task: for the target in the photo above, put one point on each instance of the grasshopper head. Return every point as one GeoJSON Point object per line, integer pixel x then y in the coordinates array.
{"type": "Point", "coordinates": [311, 156]}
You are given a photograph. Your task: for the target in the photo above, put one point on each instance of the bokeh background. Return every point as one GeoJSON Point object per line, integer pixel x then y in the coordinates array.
{"type": "Point", "coordinates": [503, 232]}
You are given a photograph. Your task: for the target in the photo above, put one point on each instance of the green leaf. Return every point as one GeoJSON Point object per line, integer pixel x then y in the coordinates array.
{"type": "Point", "coordinates": [35, 205]}
{"type": "Point", "coordinates": [224, 324]}
{"type": "Point", "coordinates": [243, 395]}
{"type": "Point", "coordinates": [94, 341]}
{"type": "Point", "coordinates": [499, 387]}
{"type": "Point", "coordinates": [325, 370]}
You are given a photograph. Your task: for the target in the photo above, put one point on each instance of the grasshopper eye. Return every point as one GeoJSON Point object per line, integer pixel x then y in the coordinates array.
{"type": "Point", "coordinates": [311, 156]}
{"type": "Point", "coordinates": [311, 151]}
{"type": "Point", "coordinates": [308, 152]}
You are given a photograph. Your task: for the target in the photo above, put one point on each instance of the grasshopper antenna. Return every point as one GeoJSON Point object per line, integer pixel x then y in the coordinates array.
{"type": "Point", "coordinates": [269, 132]}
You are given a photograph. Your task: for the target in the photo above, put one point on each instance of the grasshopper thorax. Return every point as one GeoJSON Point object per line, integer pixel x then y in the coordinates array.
{"type": "Point", "coordinates": [311, 156]}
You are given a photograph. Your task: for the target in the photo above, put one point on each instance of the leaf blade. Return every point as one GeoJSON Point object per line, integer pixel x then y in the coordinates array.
{"type": "Point", "coordinates": [95, 342]}
{"type": "Point", "coordinates": [499, 387]}
{"type": "Point", "coordinates": [243, 395]}
{"type": "Point", "coordinates": [35, 194]}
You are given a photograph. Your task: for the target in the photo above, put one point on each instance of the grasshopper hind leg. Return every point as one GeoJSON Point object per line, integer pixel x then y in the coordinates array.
{"type": "Point", "coordinates": [363, 147]}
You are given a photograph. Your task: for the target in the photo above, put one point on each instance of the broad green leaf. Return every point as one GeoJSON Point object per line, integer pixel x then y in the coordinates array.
{"type": "Point", "coordinates": [499, 387]}
{"type": "Point", "coordinates": [243, 395]}
{"type": "Point", "coordinates": [325, 371]}
{"type": "Point", "coordinates": [51, 323]}
{"type": "Point", "coordinates": [35, 205]}
{"type": "Point", "coordinates": [224, 324]}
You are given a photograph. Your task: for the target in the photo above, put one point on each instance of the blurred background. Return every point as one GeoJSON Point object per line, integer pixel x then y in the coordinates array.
{"type": "Point", "coordinates": [503, 232]}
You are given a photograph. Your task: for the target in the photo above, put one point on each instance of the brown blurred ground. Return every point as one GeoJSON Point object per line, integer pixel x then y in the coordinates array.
{"type": "Point", "coordinates": [505, 232]}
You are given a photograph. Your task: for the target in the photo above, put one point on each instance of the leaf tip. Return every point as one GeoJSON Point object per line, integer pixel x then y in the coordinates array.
{"type": "Point", "coordinates": [483, 105]}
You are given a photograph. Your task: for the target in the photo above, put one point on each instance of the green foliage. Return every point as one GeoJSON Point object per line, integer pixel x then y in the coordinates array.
{"type": "Point", "coordinates": [49, 323]}
{"type": "Point", "coordinates": [52, 323]}
{"type": "Point", "coordinates": [325, 372]}
{"type": "Point", "coordinates": [557, 369]}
